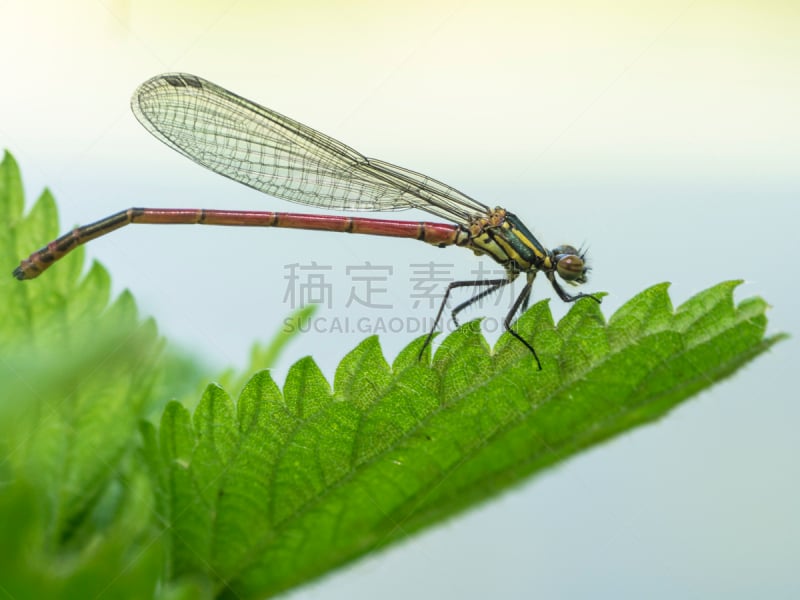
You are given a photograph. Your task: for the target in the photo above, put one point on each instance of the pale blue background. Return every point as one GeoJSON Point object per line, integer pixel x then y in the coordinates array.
{"type": "Point", "coordinates": [664, 134]}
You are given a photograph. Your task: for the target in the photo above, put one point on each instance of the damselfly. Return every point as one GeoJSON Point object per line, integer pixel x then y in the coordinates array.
{"type": "Point", "coordinates": [263, 149]}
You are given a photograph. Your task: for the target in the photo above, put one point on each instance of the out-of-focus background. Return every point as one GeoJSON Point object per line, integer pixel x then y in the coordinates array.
{"type": "Point", "coordinates": [664, 135]}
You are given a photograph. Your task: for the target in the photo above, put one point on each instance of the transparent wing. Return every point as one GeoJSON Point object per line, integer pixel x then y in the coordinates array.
{"type": "Point", "coordinates": [279, 156]}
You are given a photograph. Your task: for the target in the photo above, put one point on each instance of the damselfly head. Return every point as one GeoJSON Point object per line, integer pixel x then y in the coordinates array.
{"type": "Point", "coordinates": [570, 264]}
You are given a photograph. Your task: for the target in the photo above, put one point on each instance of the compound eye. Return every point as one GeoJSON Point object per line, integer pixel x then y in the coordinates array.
{"type": "Point", "coordinates": [565, 249]}
{"type": "Point", "coordinates": [571, 268]}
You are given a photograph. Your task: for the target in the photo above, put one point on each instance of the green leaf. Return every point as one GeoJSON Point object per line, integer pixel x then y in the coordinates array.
{"type": "Point", "coordinates": [76, 375]}
{"type": "Point", "coordinates": [122, 560]}
{"type": "Point", "coordinates": [285, 487]}
{"type": "Point", "coordinates": [11, 191]}
{"type": "Point", "coordinates": [251, 497]}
